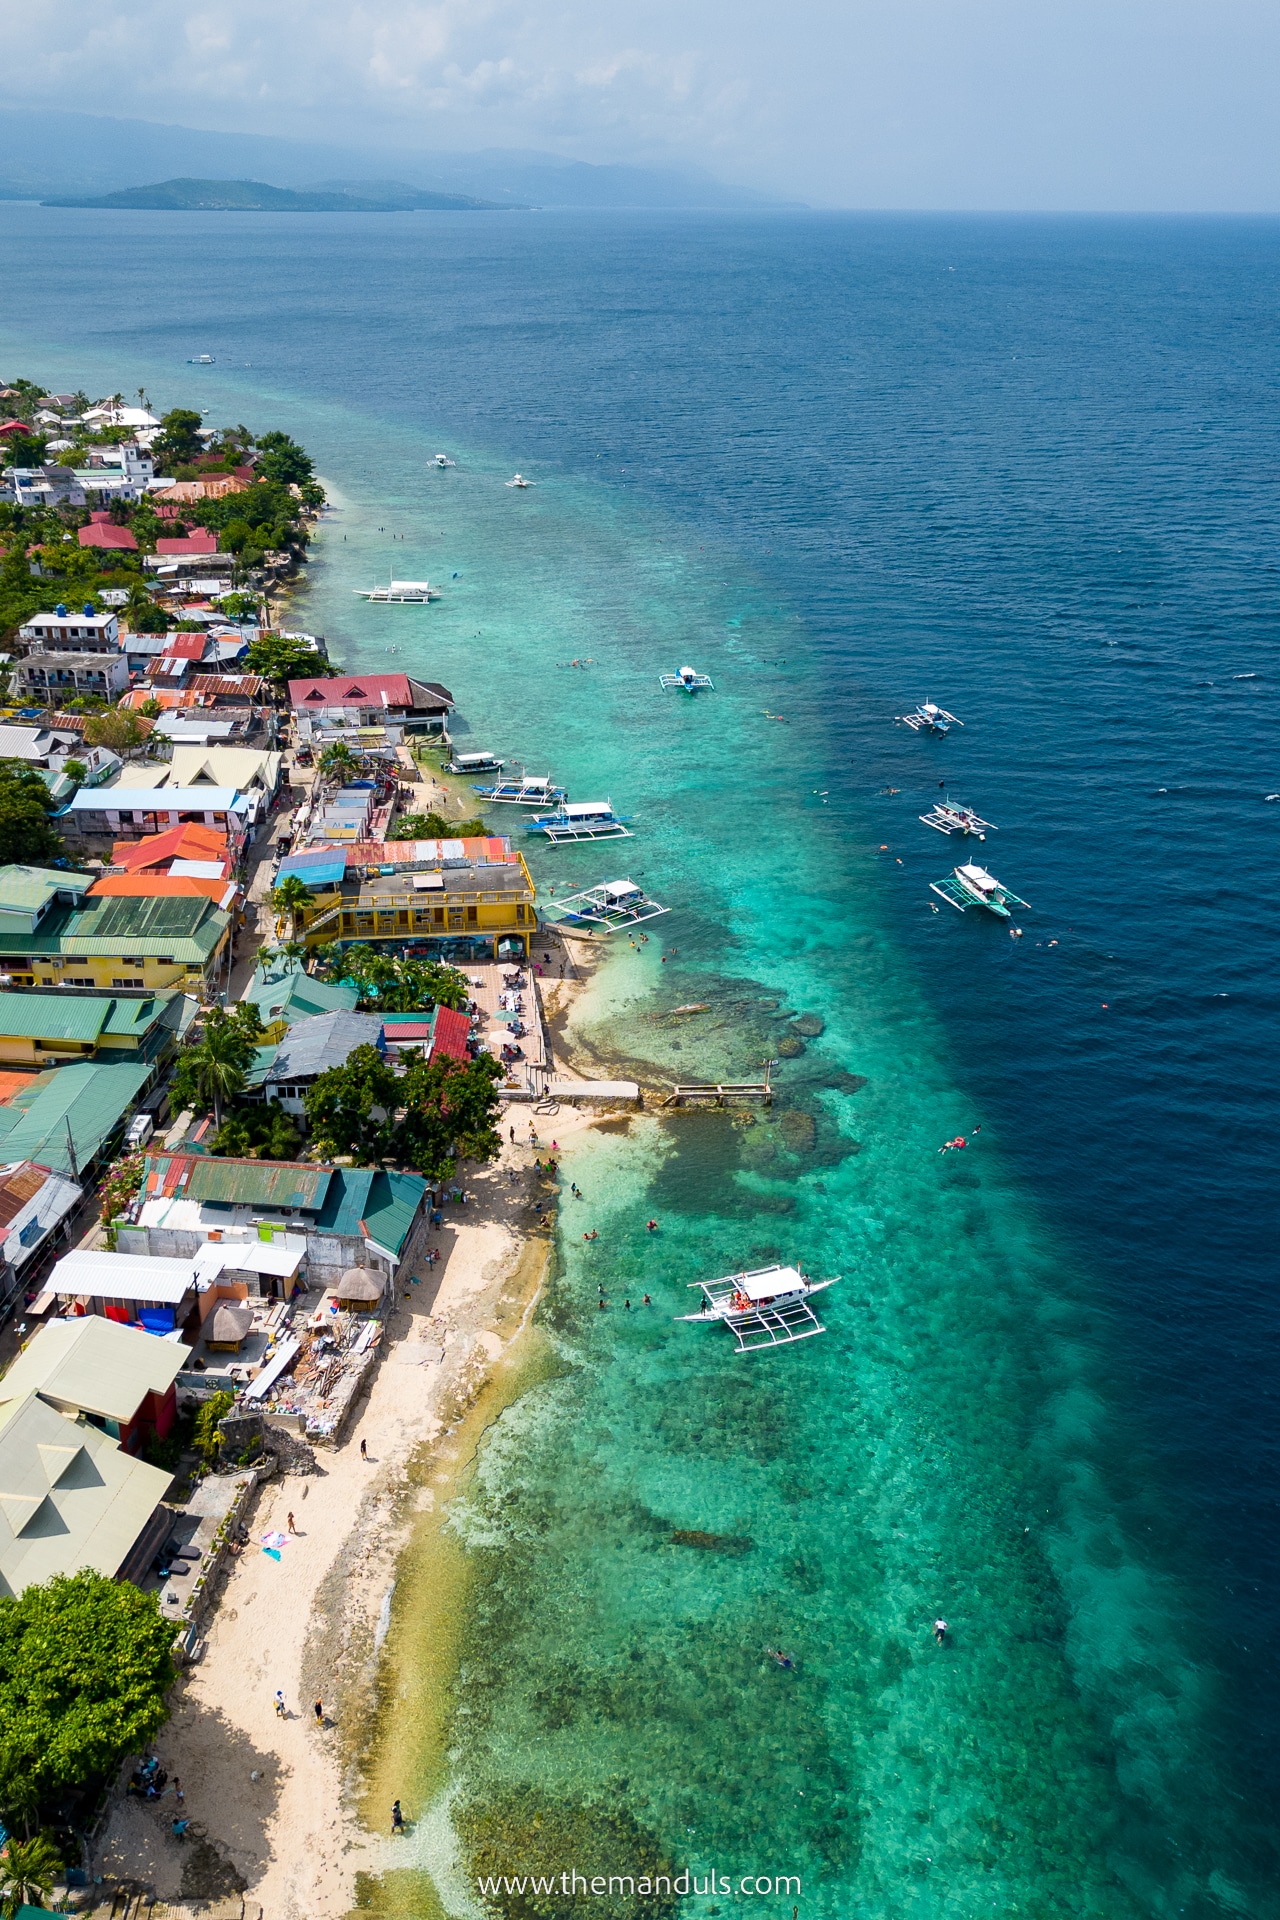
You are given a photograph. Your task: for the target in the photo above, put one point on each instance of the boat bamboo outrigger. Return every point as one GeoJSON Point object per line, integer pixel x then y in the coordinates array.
{"type": "Point", "coordinates": [612, 904]}
{"type": "Point", "coordinates": [929, 718]}
{"type": "Point", "coordinates": [687, 680]}
{"type": "Point", "coordinates": [948, 816]}
{"type": "Point", "coordinates": [408, 593]}
{"type": "Point", "coordinates": [524, 793]}
{"type": "Point", "coordinates": [765, 1307]}
{"type": "Point", "coordinates": [581, 820]}
{"type": "Point", "coordinates": [974, 887]}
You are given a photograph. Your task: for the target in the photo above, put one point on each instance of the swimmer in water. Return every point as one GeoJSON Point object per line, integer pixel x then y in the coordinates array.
{"type": "Point", "coordinates": [783, 1659]}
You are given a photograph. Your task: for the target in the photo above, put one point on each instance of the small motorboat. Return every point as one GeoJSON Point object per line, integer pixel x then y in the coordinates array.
{"type": "Point", "coordinates": [524, 793]}
{"type": "Point", "coordinates": [973, 886]}
{"type": "Point", "coordinates": [765, 1307]}
{"type": "Point", "coordinates": [443, 460]}
{"type": "Point", "coordinates": [949, 817]}
{"type": "Point", "coordinates": [930, 718]}
{"type": "Point", "coordinates": [520, 481]}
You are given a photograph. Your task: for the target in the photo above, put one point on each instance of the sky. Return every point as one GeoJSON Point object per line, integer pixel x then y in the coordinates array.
{"type": "Point", "coordinates": [1165, 105]}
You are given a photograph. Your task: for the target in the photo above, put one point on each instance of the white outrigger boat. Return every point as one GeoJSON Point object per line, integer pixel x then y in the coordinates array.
{"type": "Point", "coordinates": [613, 904]}
{"type": "Point", "coordinates": [519, 481]}
{"type": "Point", "coordinates": [765, 1307]}
{"type": "Point", "coordinates": [929, 718]}
{"type": "Point", "coordinates": [974, 887]}
{"type": "Point", "coordinates": [524, 793]}
{"type": "Point", "coordinates": [950, 817]}
{"type": "Point", "coordinates": [687, 680]}
{"type": "Point", "coordinates": [474, 763]}
{"type": "Point", "coordinates": [581, 820]}
{"type": "Point", "coordinates": [407, 593]}
{"type": "Point", "coordinates": [443, 460]}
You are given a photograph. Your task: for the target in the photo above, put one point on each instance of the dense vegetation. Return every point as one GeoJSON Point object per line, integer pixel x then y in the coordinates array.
{"type": "Point", "coordinates": [44, 562]}
{"type": "Point", "coordinates": [426, 1118]}
{"type": "Point", "coordinates": [84, 1668]}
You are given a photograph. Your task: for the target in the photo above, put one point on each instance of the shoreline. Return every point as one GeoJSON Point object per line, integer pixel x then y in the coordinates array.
{"type": "Point", "coordinates": [289, 1811]}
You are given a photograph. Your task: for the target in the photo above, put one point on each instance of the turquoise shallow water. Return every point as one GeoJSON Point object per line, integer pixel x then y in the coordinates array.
{"type": "Point", "coordinates": [802, 457]}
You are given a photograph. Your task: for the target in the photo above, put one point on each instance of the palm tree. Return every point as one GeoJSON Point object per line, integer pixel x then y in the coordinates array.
{"type": "Point", "coordinates": [338, 759]}
{"type": "Point", "coordinates": [217, 1064]}
{"type": "Point", "coordinates": [291, 896]}
{"type": "Point", "coordinates": [28, 1869]}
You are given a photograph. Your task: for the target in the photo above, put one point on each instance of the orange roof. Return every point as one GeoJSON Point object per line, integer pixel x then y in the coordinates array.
{"type": "Point", "coordinates": [191, 842]}
{"type": "Point", "coordinates": [11, 1083]}
{"type": "Point", "coordinates": [166, 697]}
{"type": "Point", "coordinates": [133, 886]}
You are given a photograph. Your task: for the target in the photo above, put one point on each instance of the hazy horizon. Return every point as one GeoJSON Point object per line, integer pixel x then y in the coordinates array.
{"type": "Point", "coordinates": [982, 107]}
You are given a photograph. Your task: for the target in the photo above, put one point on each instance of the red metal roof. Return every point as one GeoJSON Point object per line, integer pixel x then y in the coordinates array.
{"type": "Point", "coordinates": [186, 646]}
{"type": "Point", "coordinates": [449, 1036]}
{"type": "Point", "coordinates": [355, 690]}
{"type": "Point", "coordinates": [101, 533]}
{"type": "Point", "coordinates": [194, 543]}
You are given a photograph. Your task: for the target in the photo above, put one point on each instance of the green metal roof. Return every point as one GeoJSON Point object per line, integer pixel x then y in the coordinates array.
{"type": "Point", "coordinates": [345, 1203]}
{"type": "Point", "coordinates": [188, 930]}
{"type": "Point", "coordinates": [260, 1072]}
{"type": "Point", "coordinates": [285, 992]}
{"type": "Point", "coordinates": [392, 1207]}
{"type": "Point", "coordinates": [136, 1017]}
{"type": "Point", "coordinates": [52, 1016]}
{"type": "Point", "coordinates": [151, 916]}
{"type": "Point", "coordinates": [24, 889]}
{"type": "Point", "coordinates": [93, 1099]}
{"type": "Point", "coordinates": [258, 1183]}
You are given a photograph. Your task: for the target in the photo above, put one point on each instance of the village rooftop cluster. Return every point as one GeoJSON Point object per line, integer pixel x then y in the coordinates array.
{"type": "Point", "coordinates": [233, 901]}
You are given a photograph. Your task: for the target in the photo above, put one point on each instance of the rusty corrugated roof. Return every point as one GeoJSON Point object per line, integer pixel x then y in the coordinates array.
{"type": "Point", "coordinates": [257, 1183]}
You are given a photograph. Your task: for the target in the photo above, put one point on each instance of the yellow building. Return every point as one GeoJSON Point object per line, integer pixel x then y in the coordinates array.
{"type": "Point", "coordinates": [51, 935]}
{"type": "Point", "coordinates": [459, 912]}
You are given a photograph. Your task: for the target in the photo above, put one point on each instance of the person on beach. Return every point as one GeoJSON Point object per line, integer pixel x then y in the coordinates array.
{"type": "Point", "coordinates": [319, 1713]}
{"type": "Point", "coordinates": [178, 1794]}
{"type": "Point", "coordinates": [397, 1818]}
{"type": "Point", "coordinates": [364, 1449]}
{"type": "Point", "coordinates": [280, 1711]}
{"type": "Point", "coordinates": [940, 1631]}
{"type": "Point", "coordinates": [289, 1523]}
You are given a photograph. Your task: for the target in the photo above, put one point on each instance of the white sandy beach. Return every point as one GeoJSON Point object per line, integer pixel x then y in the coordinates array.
{"type": "Point", "coordinates": [271, 1797]}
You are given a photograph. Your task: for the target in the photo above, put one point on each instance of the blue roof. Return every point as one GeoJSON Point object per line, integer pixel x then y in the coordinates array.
{"type": "Point", "coordinates": [318, 871]}
{"type": "Point", "coordinates": [392, 1207]}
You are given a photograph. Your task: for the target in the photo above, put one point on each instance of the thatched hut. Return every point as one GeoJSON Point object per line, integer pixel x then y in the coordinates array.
{"type": "Point", "coordinates": [360, 1289]}
{"type": "Point", "coordinates": [229, 1327]}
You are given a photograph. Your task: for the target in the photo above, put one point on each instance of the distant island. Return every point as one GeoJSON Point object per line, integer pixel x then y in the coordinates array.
{"type": "Point", "coordinates": [254, 196]}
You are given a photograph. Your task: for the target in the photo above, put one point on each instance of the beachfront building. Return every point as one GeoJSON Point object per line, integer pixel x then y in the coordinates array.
{"type": "Point", "coordinates": [282, 1073]}
{"type": "Point", "coordinates": [393, 702]}
{"type": "Point", "coordinates": [451, 899]}
{"type": "Point", "coordinates": [54, 1029]}
{"type": "Point", "coordinates": [72, 1498]}
{"type": "Point", "coordinates": [284, 994]}
{"type": "Point", "coordinates": [338, 1217]}
{"type": "Point", "coordinates": [155, 1295]}
{"type": "Point", "coordinates": [108, 943]}
{"type": "Point", "coordinates": [119, 1377]}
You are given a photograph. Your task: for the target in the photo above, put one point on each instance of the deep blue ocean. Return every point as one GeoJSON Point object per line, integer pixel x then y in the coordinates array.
{"type": "Point", "coordinates": [1027, 468]}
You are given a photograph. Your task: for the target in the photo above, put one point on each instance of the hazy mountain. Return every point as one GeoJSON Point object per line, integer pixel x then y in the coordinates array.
{"type": "Point", "coordinates": [46, 155]}
{"type": "Point", "coordinates": [254, 196]}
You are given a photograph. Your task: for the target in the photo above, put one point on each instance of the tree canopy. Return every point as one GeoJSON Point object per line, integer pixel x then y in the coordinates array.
{"type": "Point", "coordinates": [392, 985]}
{"type": "Point", "coordinates": [283, 460]}
{"type": "Point", "coordinates": [179, 441]}
{"type": "Point", "coordinates": [84, 1668]}
{"type": "Point", "coordinates": [214, 1070]}
{"type": "Point", "coordinates": [278, 658]}
{"type": "Point", "coordinates": [424, 1118]}
{"type": "Point", "coordinates": [26, 834]}
{"type": "Point", "coordinates": [118, 729]}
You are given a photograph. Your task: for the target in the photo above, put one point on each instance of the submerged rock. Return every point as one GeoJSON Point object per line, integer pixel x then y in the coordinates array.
{"type": "Point", "coordinates": [799, 1130]}
{"type": "Point", "coordinates": [790, 1046]}
{"type": "Point", "coordinates": [810, 1024]}
{"type": "Point", "coordinates": [730, 1543]}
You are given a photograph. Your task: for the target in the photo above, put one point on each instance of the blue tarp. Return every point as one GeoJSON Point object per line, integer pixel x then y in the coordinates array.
{"type": "Point", "coordinates": [329, 869]}
{"type": "Point", "coordinates": [156, 1319]}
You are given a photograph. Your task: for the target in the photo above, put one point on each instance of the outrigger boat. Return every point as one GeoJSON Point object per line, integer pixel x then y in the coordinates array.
{"type": "Point", "coordinates": [687, 680]}
{"type": "Point", "coordinates": [613, 904]}
{"type": "Point", "coordinates": [524, 793]}
{"type": "Point", "coordinates": [474, 763]}
{"type": "Point", "coordinates": [443, 460]}
{"type": "Point", "coordinates": [409, 593]}
{"type": "Point", "coordinates": [929, 718]}
{"type": "Point", "coordinates": [766, 1307]}
{"type": "Point", "coordinates": [949, 817]}
{"type": "Point", "coordinates": [975, 887]}
{"type": "Point", "coordinates": [581, 820]}
{"type": "Point", "coordinates": [520, 481]}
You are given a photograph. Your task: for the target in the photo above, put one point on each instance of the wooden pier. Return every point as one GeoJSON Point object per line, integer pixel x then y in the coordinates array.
{"type": "Point", "coordinates": [724, 1090]}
